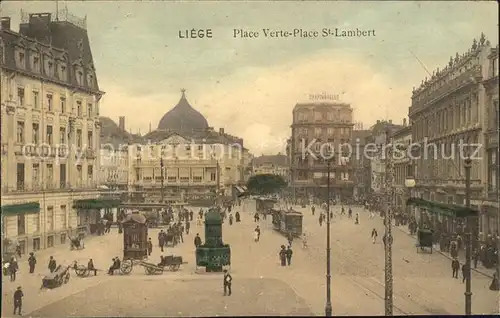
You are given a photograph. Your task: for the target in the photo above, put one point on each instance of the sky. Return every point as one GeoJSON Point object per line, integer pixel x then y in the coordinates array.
{"type": "Point", "coordinates": [250, 86]}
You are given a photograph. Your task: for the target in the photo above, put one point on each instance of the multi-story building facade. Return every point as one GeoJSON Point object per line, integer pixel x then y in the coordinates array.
{"type": "Point", "coordinates": [114, 168]}
{"type": "Point", "coordinates": [197, 161]}
{"type": "Point", "coordinates": [360, 163]}
{"type": "Point", "coordinates": [50, 128]}
{"type": "Point", "coordinates": [449, 109]}
{"type": "Point", "coordinates": [401, 141]}
{"type": "Point", "coordinates": [272, 164]}
{"type": "Point", "coordinates": [491, 209]}
{"type": "Point", "coordinates": [377, 160]}
{"type": "Point", "coordinates": [326, 123]}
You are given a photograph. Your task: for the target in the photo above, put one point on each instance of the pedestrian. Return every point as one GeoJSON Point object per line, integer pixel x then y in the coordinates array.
{"type": "Point", "coordinates": [91, 268]}
{"type": "Point", "coordinates": [191, 214]}
{"type": "Point", "coordinates": [52, 264]}
{"type": "Point", "coordinates": [161, 239]}
{"type": "Point", "coordinates": [350, 213]}
{"type": "Point", "coordinates": [289, 254]}
{"type": "Point", "coordinates": [18, 300]}
{"type": "Point", "coordinates": [18, 250]}
{"type": "Point", "coordinates": [357, 219]}
{"type": "Point", "coordinates": [257, 233]}
{"type": "Point", "coordinates": [237, 217]}
{"type": "Point", "coordinates": [282, 255]}
{"type": "Point", "coordinates": [13, 267]}
{"type": "Point", "coordinates": [290, 238]}
{"type": "Point", "coordinates": [197, 240]}
{"type": "Point", "coordinates": [494, 282]}
{"type": "Point", "coordinates": [228, 280]}
{"type": "Point", "coordinates": [150, 247]}
{"type": "Point", "coordinates": [181, 230]}
{"type": "Point", "coordinates": [475, 257]}
{"type": "Point", "coordinates": [455, 266]}
{"type": "Point", "coordinates": [374, 235]}
{"type": "Point", "coordinates": [464, 272]}
{"type": "Point", "coordinates": [230, 219]}
{"type": "Point", "coordinates": [304, 240]}
{"type": "Point", "coordinates": [313, 209]}
{"type": "Point", "coordinates": [32, 262]}
{"type": "Point", "coordinates": [256, 217]}
{"type": "Point", "coordinates": [321, 219]}
{"type": "Point", "coordinates": [188, 226]}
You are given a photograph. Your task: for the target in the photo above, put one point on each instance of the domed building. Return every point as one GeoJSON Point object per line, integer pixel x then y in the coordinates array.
{"type": "Point", "coordinates": [183, 118]}
{"type": "Point", "coordinates": [197, 161]}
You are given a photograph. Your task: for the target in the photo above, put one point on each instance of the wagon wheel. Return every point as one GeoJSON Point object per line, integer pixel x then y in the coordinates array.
{"type": "Point", "coordinates": [126, 267]}
{"type": "Point", "coordinates": [80, 271]}
{"type": "Point", "coordinates": [159, 271]}
{"type": "Point", "coordinates": [149, 270]}
{"type": "Point", "coordinates": [60, 280]}
{"type": "Point", "coordinates": [66, 278]}
{"type": "Point", "coordinates": [174, 267]}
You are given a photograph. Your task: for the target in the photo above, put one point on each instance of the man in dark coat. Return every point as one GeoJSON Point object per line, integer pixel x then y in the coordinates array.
{"type": "Point", "coordinates": [455, 266]}
{"type": "Point", "coordinates": [282, 255]}
{"type": "Point", "coordinates": [91, 268]}
{"type": "Point", "coordinates": [52, 264]}
{"type": "Point", "coordinates": [13, 267]}
{"type": "Point", "coordinates": [161, 239]}
{"type": "Point", "coordinates": [289, 254]}
{"type": "Point", "coordinates": [188, 226]}
{"type": "Point", "coordinates": [18, 300]}
{"type": "Point", "coordinates": [191, 215]}
{"type": "Point", "coordinates": [150, 247]}
{"type": "Point", "coordinates": [290, 238]}
{"type": "Point", "coordinates": [32, 262]}
{"type": "Point", "coordinates": [464, 272]}
{"type": "Point", "coordinates": [197, 240]}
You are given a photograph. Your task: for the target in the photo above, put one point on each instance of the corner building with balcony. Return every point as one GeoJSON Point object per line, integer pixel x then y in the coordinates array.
{"type": "Point", "coordinates": [321, 123]}
{"type": "Point", "coordinates": [50, 129]}
{"type": "Point", "coordinates": [447, 109]}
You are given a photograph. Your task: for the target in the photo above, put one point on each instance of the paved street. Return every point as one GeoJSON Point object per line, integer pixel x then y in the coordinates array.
{"type": "Point", "coordinates": [422, 282]}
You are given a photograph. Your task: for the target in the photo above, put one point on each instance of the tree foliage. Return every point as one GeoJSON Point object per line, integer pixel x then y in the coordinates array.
{"type": "Point", "coordinates": [266, 184]}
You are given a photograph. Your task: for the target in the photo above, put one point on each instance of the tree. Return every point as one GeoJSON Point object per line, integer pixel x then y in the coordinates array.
{"type": "Point", "coordinates": [266, 184]}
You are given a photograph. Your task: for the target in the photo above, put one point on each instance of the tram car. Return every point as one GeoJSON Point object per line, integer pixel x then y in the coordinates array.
{"type": "Point", "coordinates": [265, 205]}
{"type": "Point", "coordinates": [287, 221]}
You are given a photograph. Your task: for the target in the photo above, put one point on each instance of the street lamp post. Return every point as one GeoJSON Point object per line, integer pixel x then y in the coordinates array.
{"type": "Point", "coordinates": [389, 190]}
{"type": "Point", "coordinates": [328, 307]}
{"type": "Point", "coordinates": [468, 236]}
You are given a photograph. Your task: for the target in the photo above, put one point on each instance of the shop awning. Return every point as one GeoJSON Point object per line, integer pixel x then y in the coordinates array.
{"type": "Point", "coordinates": [96, 204]}
{"type": "Point", "coordinates": [12, 209]}
{"type": "Point", "coordinates": [452, 210]}
{"type": "Point", "coordinates": [240, 189]}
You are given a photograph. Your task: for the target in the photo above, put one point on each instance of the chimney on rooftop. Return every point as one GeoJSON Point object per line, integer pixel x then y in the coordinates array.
{"type": "Point", "coordinates": [390, 121]}
{"type": "Point", "coordinates": [121, 123]}
{"type": "Point", "coordinates": [404, 122]}
{"type": "Point", "coordinates": [5, 23]}
{"type": "Point", "coordinates": [221, 131]}
{"type": "Point", "coordinates": [378, 121]}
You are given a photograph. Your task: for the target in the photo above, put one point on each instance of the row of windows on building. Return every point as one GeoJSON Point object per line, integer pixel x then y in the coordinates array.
{"type": "Point", "coordinates": [453, 117]}
{"type": "Point", "coordinates": [318, 131]}
{"type": "Point", "coordinates": [48, 180]}
{"type": "Point", "coordinates": [51, 68]}
{"type": "Point", "coordinates": [333, 116]}
{"type": "Point", "coordinates": [22, 226]}
{"type": "Point", "coordinates": [49, 102]}
{"type": "Point", "coordinates": [49, 136]}
{"type": "Point", "coordinates": [304, 175]}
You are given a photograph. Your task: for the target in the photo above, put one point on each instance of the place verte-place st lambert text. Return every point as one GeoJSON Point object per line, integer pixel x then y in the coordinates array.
{"type": "Point", "coordinates": [303, 33]}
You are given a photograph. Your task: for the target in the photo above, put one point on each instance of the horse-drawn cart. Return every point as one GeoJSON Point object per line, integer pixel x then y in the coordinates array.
{"type": "Point", "coordinates": [57, 278]}
{"type": "Point", "coordinates": [172, 262]}
{"type": "Point", "coordinates": [424, 240]}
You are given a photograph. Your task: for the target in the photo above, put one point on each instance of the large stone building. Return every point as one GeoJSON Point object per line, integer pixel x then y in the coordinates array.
{"type": "Point", "coordinates": [197, 161]}
{"type": "Point", "coordinates": [272, 164]}
{"type": "Point", "coordinates": [50, 129]}
{"type": "Point", "coordinates": [490, 207]}
{"type": "Point", "coordinates": [447, 109]}
{"type": "Point", "coordinates": [322, 124]}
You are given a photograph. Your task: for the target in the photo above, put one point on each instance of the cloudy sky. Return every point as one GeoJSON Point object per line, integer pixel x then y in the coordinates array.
{"type": "Point", "coordinates": [250, 86]}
